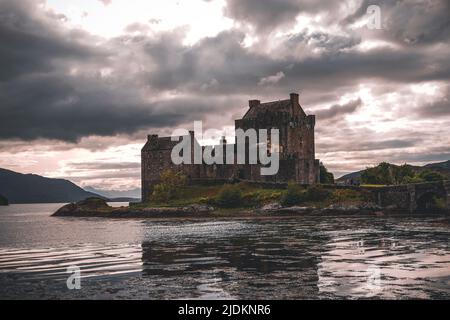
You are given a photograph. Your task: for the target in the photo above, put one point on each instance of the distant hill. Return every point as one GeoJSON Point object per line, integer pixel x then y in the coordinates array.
{"type": "Point", "coordinates": [355, 176]}
{"type": "Point", "coordinates": [133, 193]}
{"type": "Point", "coordinates": [441, 167]}
{"type": "Point", "coordinates": [31, 188]}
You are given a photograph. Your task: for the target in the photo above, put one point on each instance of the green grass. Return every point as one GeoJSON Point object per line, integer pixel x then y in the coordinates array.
{"type": "Point", "coordinates": [253, 197]}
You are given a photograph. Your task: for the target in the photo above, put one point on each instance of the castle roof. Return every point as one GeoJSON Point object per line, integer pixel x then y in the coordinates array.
{"type": "Point", "coordinates": [162, 143]}
{"type": "Point", "coordinates": [284, 106]}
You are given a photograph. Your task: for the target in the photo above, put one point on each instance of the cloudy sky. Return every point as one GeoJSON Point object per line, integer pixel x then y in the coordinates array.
{"type": "Point", "coordinates": [83, 82]}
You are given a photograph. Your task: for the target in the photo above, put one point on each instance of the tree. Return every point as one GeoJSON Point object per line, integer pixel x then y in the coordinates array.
{"type": "Point", "coordinates": [325, 176]}
{"type": "Point", "coordinates": [230, 196]}
{"type": "Point", "coordinates": [431, 175]}
{"type": "Point", "coordinates": [403, 173]}
{"type": "Point", "coordinates": [169, 187]}
{"type": "Point", "coordinates": [386, 173]}
{"type": "Point", "coordinates": [293, 195]}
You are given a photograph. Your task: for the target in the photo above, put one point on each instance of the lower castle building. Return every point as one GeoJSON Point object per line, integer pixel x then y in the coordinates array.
{"type": "Point", "coordinates": [296, 149]}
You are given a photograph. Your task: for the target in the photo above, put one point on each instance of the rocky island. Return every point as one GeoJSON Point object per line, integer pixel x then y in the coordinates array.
{"type": "Point", "coordinates": [96, 207]}
{"type": "Point", "coordinates": [242, 200]}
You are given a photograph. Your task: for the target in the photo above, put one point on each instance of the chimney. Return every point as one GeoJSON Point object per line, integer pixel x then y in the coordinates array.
{"type": "Point", "coordinates": [294, 98]}
{"type": "Point", "coordinates": [253, 103]}
{"type": "Point", "coordinates": [151, 137]}
{"type": "Point", "coordinates": [294, 102]}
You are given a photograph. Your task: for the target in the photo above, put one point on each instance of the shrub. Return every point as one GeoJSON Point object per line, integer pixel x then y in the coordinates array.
{"type": "Point", "coordinates": [170, 186]}
{"type": "Point", "coordinates": [439, 203]}
{"type": "Point", "coordinates": [293, 195]}
{"type": "Point", "coordinates": [414, 179]}
{"type": "Point", "coordinates": [230, 196]}
{"type": "Point", "coordinates": [207, 200]}
{"type": "Point", "coordinates": [431, 175]}
{"type": "Point", "coordinates": [325, 176]}
{"type": "Point", "coordinates": [316, 193]}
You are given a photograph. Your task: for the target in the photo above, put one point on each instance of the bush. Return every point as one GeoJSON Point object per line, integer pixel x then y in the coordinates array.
{"type": "Point", "coordinates": [293, 195]}
{"type": "Point", "coordinates": [439, 203]}
{"type": "Point", "coordinates": [316, 193]}
{"type": "Point", "coordinates": [230, 196]}
{"type": "Point", "coordinates": [415, 179]}
{"type": "Point", "coordinates": [325, 176]}
{"type": "Point", "coordinates": [170, 186]}
{"type": "Point", "coordinates": [431, 175]}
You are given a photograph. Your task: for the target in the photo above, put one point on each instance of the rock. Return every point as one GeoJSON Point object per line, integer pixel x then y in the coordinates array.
{"type": "Point", "coordinates": [297, 209]}
{"type": "Point", "coordinates": [370, 206]}
{"type": "Point", "coordinates": [83, 208]}
{"type": "Point", "coordinates": [270, 207]}
{"type": "Point", "coordinates": [342, 208]}
{"type": "Point", "coordinates": [198, 208]}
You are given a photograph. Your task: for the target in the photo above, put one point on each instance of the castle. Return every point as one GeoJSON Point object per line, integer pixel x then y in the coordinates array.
{"type": "Point", "coordinates": [296, 149]}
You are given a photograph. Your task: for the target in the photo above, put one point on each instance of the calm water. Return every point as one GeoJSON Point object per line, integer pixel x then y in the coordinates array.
{"type": "Point", "coordinates": [292, 258]}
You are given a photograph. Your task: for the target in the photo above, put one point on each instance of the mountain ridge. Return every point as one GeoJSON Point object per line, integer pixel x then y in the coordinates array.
{"type": "Point", "coordinates": [33, 188]}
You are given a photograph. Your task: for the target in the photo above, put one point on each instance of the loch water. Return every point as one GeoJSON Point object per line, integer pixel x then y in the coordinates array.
{"type": "Point", "coordinates": [305, 257]}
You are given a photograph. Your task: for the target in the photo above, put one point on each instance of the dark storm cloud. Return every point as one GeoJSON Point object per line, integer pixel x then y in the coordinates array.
{"type": "Point", "coordinates": [52, 87]}
{"type": "Point", "coordinates": [31, 44]}
{"type": "Point", "coordinates": [338, 110]}
{"type": "Point", "coordinates": [40, 98]}
{"type": "Point", "coordinates": [268, 15]}
{"type": "Point", "coordinates": [238, 70]}
{"type": "Point", "coordinates": [410, 22]}
{"type": "Point", "coordinates": [55, 107]}
{"type": "Point", "coordinates": [440, 108]}
{"type": "Point", "coordinates": [367, 145]}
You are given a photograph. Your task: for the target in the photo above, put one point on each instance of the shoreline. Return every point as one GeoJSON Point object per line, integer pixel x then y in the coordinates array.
{"type": "Point", "coordinates": [196, 211]}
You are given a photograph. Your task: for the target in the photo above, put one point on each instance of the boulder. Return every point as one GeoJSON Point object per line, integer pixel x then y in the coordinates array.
{"type": "Point", "coordinates": [270, 207]}
{"type": "Point", "coordinates": [198, 208]}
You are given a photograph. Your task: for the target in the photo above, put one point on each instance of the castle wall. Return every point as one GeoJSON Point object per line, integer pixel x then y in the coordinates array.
{"type": "Point", "coordinates": [296, 145]}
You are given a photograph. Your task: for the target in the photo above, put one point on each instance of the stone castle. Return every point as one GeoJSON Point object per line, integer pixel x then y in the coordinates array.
{"type": "Point", "coordinates": [296, 149]}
